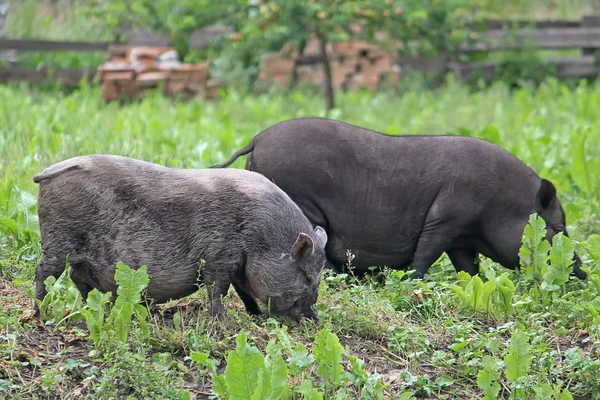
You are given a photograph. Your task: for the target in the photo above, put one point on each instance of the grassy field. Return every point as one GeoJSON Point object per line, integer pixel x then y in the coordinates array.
{"type": "Point", "coordinates": [437, 338]}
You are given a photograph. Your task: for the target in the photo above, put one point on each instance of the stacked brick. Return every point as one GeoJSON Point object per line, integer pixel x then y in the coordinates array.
{"type": "Point", "coordinates": [354, 64]}
{"type": "Point", "coordinates": [130, 71]}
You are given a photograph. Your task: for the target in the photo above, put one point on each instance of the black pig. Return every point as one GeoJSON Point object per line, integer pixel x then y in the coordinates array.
{"type": "Point", "coordinates": [402, 200]}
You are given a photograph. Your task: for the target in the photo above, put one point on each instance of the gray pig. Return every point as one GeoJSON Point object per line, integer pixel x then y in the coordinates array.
{"type": "Point", "coordinates": [402, 200]}
{"type": "Point", "coordinates": [101, 209]}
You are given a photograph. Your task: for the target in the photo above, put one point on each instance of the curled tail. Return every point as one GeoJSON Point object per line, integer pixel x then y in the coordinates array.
{"type": "Point", "coordinates": [237, 154]}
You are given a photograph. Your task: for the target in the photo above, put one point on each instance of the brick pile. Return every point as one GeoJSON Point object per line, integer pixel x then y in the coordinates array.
{"type": "Point", "coordinates": [131, 70]}
{"type": "Point", "coordinates": [354, 64]}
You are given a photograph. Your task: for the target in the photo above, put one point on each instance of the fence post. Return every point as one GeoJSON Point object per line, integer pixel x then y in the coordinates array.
{"type": "Point", "coordinates": [6, 56]}
{"type": "Point", "coordinates": [588, 21]}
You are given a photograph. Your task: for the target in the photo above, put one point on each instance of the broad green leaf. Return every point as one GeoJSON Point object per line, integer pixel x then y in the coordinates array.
{"type": "Point", "coordinates": [487, 379]}
{"type": "Point", "coordinates": [474, 291]}
{"type": "Point", "coordinates": [162, 361]}
{"type": "Point", "coordinates": [566, 395]}
{"type": "Point", "coordinates": [579, 166]}
{"type": "Point", "coordinates": [486, 296]}
{"type": "Point", "coordinates": [277, 370]}
{"type": "Point", "coordinates": [444, 381]}
{"type": "Point", "coordinates": [592, 246]}
{"type": "Point", "coordinates": [9, 227]}
{"type": "Point", "coordinates": [94, 313]}
{"type": "Point", "coordinates": [263, 387]}
{"type": "Point", "coordinates": [328, 355]}
{"type": "Point", "coordinates": [462, 296]}
{"type": "Point", "coordinates": [561, 261]}
{"type": "Point", "coordinates": [219, 386]}
{"type": "Point", "coordinates": [243, 365]}
{"type": "Point", "coordinates": [272, 381]}
{"type": "Point", "coordinates": [131, 283]}
{"type": "Point", "coordinates": [308, 391]}
{"type": "Point", "coordinates": [299, 359]}
{"type": "Point", "coordinates": [543, 392]}
{"type": "Point", "coordinates": [141, 314]}
{"type": "Point", "coordinates": [204, 359]}
{"type": "Point", "coordinates": [518, 360]}
{"type": "Point", "coordinates": [533, 253]}
{"type": "Point", "coordinates": [26, 200]}
{"type": "Point", "coordinates": [506, 291]}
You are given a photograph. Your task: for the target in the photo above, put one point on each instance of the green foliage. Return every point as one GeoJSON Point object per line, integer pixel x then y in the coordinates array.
{"type": "Point", "coordinates": [415, 333]}
{"type": "Point", "coordinates": [131, 284]}
{"type": "Point", "coordinates": [523, 67]}
{"type": "Point", "coordinates": [518, 360]}
{"type": "Point", "coordinates": [547, 392]}
{"type": "Point", "coordinates": [549, 278]}
{"type": "Point", "coordinates": [534, 251]}
{"type": "Point", "coordinates": [251, 375]}
{"type": "Point", "coordinates": [62, 300]}
{"type": "Point", "coordinates": [241, 374]}
{"type": "Point", "coordinates": [94, 314]}
{"type": "Point", "coordinates": [493, 297]}
{"type": "Point", "coordinates": [18, 218]}
{"type": "Point", "coordinates": [561, 260]}
{"type": "Point", "coordinates": [328, 354]}
{"type": "Point", "coordinates": [176, 19]}
{"type": "Point", "coordinates": [487, 379]}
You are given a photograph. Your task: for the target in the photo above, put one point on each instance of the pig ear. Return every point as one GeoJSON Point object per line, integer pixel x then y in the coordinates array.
{"type": "Point", "coordinates": [303, 244]}
{"type": "Point", "coordinates": [321, 234]}
{"type": "Point", "coordinates": [545, 195]}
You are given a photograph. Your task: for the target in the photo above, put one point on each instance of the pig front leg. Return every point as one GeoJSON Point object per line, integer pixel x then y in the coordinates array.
{"type": "Point", "coordinates": [217, 285]}
{"type": "Point", "coordinates": [247, 299]}
{"type": "Point", "coordinates": [464, 259]}
{"type": "Point", "coordinates": [434, 240]}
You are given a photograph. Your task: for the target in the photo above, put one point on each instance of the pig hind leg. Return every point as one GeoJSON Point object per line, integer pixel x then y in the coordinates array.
{"type": "Point", "coordinates": [464, 259]}
{"type": "Point", "coordinates": [79, 279]}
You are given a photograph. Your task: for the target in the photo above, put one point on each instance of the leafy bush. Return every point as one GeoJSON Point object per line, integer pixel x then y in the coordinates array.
{"type": "Point", "coordinates": [251, 375]}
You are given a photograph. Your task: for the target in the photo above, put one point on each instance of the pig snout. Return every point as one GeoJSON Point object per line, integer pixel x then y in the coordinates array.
{"type": "Point", "coordinates": [310, 314]}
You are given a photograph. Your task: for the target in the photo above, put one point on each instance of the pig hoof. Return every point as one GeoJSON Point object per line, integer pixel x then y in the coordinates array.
{"type": "Point", "coordinates": [580, 274]}
{"type": "Point", "coordinates": [417, 275]}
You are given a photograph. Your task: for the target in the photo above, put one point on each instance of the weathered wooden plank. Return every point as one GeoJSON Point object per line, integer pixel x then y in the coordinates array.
{"type": "Point", "coordinates": [51, 45]}
{"type": "Point", "coordinates": [496, 24]}
{"type": "Point", "coordinates": [590, 21]}
{"type": "Point", "coordinates": [581, 67]}
{"type": "Point", "coordinates": [145, 37]}
{"type": "Point", "coordinates": [548, 38]}
{"type": "Point", "coordinates": [70, 77]}
{"type": "Point", "coordinates": [200, 37]}
{"type": "Point", "coordinates": [568, 67]}
{"type": "Point", "coordinates": [424, 64]}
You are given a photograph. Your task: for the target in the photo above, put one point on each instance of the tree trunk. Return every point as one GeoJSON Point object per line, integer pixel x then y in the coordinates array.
{"type": "Point", "coordinates": [327, 83]}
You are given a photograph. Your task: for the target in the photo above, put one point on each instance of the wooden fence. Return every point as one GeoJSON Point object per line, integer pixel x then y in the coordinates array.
{"type": "Point", "coordinates": [518, 35]}
{"type": "Point", "coordinates": [69, 76]}
{"type": "Point", "coordinates": [501, 35]}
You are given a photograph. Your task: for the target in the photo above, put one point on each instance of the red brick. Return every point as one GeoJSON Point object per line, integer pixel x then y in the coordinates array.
{"type": "Point", "coordinates": [175, 86]}
{"type": "Point", "coordinates": [150, 79]}
{"type": "Point", "coordinates": [117, 76]}
{"type": "Point", "coordinates": [109, 91]}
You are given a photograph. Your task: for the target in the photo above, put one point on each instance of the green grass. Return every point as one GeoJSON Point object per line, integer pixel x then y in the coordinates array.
{"type": "Point", "coordinates": [417, 335]}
